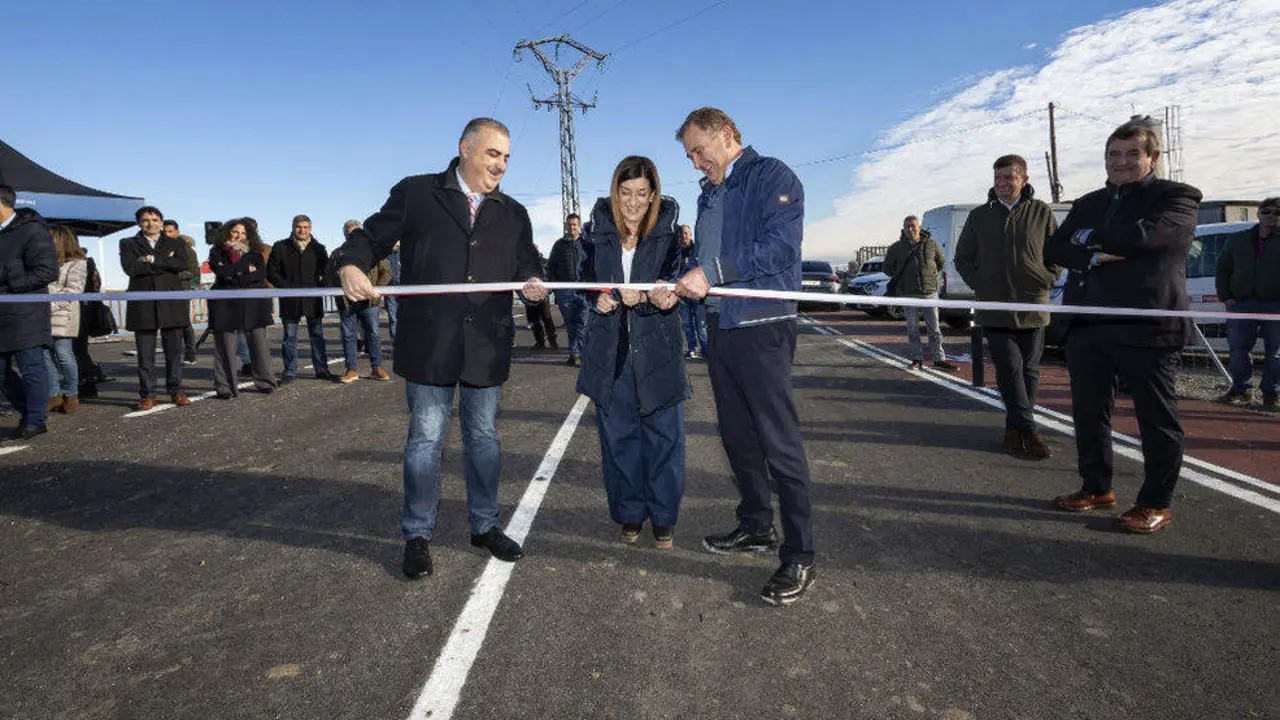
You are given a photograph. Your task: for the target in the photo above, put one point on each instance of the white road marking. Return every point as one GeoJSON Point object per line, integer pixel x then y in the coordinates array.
{"type": "Point", "coordinates": [440, 695]}
{"type": "Point", "coordinates": [10, 449]}
{"type": "Point", "coordinates": [161, 407]}
{"type": "Point", "coordinates": [1065, 426]}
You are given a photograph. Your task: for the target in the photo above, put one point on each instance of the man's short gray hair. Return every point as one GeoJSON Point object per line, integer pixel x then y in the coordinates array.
{"type": "Point", "coordinates": [346, 226]}
{"type": "Point", "coordinates": [481, 123]}
{"type": "Point", "coordinates": [909, 218]}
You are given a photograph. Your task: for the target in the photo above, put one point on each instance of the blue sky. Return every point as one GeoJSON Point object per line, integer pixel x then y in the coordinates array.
{"type": "Point", "coordinates": [214, 110]}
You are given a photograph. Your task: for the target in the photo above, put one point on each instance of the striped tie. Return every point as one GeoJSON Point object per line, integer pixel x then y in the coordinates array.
{"type": "Point", "coordinates": [473, 200]}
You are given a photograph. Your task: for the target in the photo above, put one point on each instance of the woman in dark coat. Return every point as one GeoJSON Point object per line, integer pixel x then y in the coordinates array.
{"type": "Point", "coordinates": [238, 261]}
{"type": "Point", "coordinates": [633, 359]}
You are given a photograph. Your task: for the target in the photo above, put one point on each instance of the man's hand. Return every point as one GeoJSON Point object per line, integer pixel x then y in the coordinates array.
{"type": "Point", "coordinates": [605, 303]}
{"type": "Point", "coordinates": [534, 291]}
{"type": "Point", "coordinates": [631, 298]}
{"type": "Point", "coordinates": [148, 258]}
{"type": "Point", "coordinates": [662, 298]}
{"type": "Point", "coordinates": [252, 268]}
{"type": "Point", "coordinates": [693, 285]}
{"type": "Point", "coordinates": [356, 285]}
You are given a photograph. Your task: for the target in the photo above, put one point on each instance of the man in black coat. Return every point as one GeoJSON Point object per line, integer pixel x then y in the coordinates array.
{"type": "Point", "coordinates": [1126, 246]}
{"type": "Point", "coordinates": [154, 262]}
{"type": "Point", "coordinates": [299, 261]}
{"type": "Point", "coordinates": [28, 263]}
{"type": "Point", "coordinates": [564, 265]}
{"type": "Point", "coordinates": [453, 227]}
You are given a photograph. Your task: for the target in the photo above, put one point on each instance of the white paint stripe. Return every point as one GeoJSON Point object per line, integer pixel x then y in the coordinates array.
{"type": "Point", "coordinates": [161, 407]}
{"type": "Point", "coordinates": [440, 695]}
{"type": "Point", "coordinates": [1065, 428]}
{"type": "Point", "coordinates": [9, 450]}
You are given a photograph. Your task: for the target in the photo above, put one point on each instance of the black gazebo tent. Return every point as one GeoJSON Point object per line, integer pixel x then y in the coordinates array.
{"type": "Point", "coordinates": [85, 210]}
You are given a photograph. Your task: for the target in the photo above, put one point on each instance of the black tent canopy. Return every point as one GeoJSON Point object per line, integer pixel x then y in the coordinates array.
{"type": "Point", "coordinates": [85, 210]}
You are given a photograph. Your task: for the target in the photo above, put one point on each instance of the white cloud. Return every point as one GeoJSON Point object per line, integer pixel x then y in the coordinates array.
{"type": "Point", "coordinates": [1030, 46]}
{"type": "Point", "coordinates": [1217, 60]}
{"type": "Point", "coordinates": [548, 226]}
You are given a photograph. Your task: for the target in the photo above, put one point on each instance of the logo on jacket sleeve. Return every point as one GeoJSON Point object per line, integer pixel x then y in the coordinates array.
{"type": "Point", "coordinates": [784, 199]}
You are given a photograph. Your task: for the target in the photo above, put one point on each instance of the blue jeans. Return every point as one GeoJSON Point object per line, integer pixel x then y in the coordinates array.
{"type": "Point", "coordinates": [693, 315]}
{"type": "Point", "coordinates": [315, 335]}
{"type": "Point", "coordinates": [573, 309]}
{"type": "Point", "coordinates": [1241, 337]}
{"type": "Point", "coordinates": [429, 409]}
{"type": "Point", "coordinates": [368, 317]}
{"type": "Point", "coordinates": [61, 360]}
{"type": "Point", "coordinates": [26, 384]}
{"type": "Point", "coordinates": [242, 348]}
{"type": "Point", "coordinates": [392, 304]}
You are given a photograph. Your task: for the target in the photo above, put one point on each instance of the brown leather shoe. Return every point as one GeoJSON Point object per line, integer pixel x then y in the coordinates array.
{"type": "Point", "coordinates": [1144, 520]}
{"type": "Point", "coordinates": [55, 403]}
{"type": "Point", "coordinates": [1035, 447]}
{"type": "Point", "coordinates": [349, 376]}
{"type": "Point", "coordinates": [146, 404]}
{"type": "Point", "coordinates": [1012, 441]}
{"type": "Point", "coordinates": [1083, 501]}
{"type": "Point", "coordinates": [70, 403]}
{"type": "Point", "coordinates": [380, 374]}
{"type": "Point", "coordinates": [179, 399]}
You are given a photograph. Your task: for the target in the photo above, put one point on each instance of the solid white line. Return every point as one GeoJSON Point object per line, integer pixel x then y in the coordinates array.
{"type": "Point", "coordinates": [443, 689]}
{"type": "Point", "coordinates": [12, 449]}
{"type": "Point", "coordinates": [1066, 427]}
{"type": "Point", "coordinates": [161, 407]}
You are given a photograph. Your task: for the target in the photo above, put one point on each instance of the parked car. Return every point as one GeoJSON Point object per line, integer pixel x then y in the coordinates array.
{"type": "Point", "coordinates": [817, 276]}
{"type": "Point", "coordinates": [871, 283]}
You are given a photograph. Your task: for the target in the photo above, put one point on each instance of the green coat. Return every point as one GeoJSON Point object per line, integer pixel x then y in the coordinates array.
{"type": "Point", "coordinates": [1000, 254]}
{"type": "Point", "coordinates": [1245, 275]}
{"type": "Point", "coordinates": [916, 265]}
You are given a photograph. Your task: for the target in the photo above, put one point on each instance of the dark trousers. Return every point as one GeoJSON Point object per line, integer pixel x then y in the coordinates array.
{"type": "Point", "coordinates": [642, 455]}
{"type": "Point", "coordinates": [90, 371]}
{"type": "Point", "coordinates": [26, 384]}
{"type": "Point", "coordinates": [145, 342]}
{"type": "Point", "coordinates": [189, 343]}
{"type": "Point", "coordinates": [225, 372]}
{"type": "Point", "coordinates": [750, 372]}
{"type": "Point", "coordinates": [544, 326]}
{"type": "Point", "coordinates": [315, 339]}
{"type": "Point", "coordinates": [1016, 355]}
{"type": "Point", "coordinates": [1094, 362]}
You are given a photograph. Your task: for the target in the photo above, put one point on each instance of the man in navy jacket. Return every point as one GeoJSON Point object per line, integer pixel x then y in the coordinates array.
{"type": "Point", "coordinates": [749, 228]}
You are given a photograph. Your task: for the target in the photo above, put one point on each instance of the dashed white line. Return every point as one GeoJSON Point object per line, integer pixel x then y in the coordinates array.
{"type": "Point", "coordinates": [440, 695]}
{"type": "Point", "coordinates": [10, 449]}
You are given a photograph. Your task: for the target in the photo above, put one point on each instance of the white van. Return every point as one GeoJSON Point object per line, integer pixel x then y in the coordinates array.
{"type": "Point", "coordinates": [944, 224]}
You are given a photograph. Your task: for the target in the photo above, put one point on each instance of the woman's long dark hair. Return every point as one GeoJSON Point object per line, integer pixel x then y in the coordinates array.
{"type": "Point", "coordinates": [250, 232]}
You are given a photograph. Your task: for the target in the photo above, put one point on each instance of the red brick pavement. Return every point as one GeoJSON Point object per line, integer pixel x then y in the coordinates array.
{"type": "Point", "coordinates": [1235, 438]}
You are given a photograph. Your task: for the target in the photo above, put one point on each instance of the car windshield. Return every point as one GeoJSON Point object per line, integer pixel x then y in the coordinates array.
{"type": "Point", "coordinates": [816, 266]}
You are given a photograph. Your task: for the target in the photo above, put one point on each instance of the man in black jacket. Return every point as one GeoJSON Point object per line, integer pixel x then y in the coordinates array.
{"type": "Point", "coordinates": [453, 227]}
{"type": "Point", "coordinates": [299, 261]}
{"type": "Point", "coordinates": [1126, 246]}
{"type": "Point", "coordinates": [154, 262]}
{"type": "Point", "coordinates": [28, 263]}
{"type": "Point", "coordinates": [563, 265]}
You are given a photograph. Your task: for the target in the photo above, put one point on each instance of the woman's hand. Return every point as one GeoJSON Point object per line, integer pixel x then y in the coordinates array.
{"type": "Point", "coordinates": [631, 298]}
{"type": "Point", "coordinates": [605, 303]}
{"type": "Point", "coordinates": [662, 298]}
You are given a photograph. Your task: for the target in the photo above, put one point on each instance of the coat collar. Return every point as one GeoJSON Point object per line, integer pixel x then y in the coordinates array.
{"type": "Point", "coordinates": [451, 197]}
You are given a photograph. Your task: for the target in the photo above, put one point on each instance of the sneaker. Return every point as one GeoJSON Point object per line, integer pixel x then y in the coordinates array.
{"type": "Point", "coordinates": [349, 376]}
{"type": "Point", "coordinates": [1237, 397]}
{"type": "Point", "coordinates": [741, 541]}
{"type": "Point", "coordinates": [945, 366]}
{"type": "Point", "coordinates": [664, 536]}
{"type": "Point", "coordinates": [788, 584]}
{"type": "Point", "coordinates": [417, 558]}
{"type": "Point", "coordinates": [380, 374]}
{"type": "Point", "coordinates": [189, 360]}
{"type": "Point", "coordinates": [631, 532]}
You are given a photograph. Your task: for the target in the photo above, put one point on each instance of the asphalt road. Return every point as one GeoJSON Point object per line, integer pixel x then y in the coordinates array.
{"type": "Point", "coordinates": [241, 559]}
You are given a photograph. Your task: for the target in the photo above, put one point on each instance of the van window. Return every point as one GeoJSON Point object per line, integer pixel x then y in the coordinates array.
{"type": "Point", "coordinates": [1202, 259]}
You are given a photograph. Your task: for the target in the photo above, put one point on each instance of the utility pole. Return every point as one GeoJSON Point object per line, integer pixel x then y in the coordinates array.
{"type": "Point", "coordinates": [1173, 156]}
{"type": "Point", "coordinates": [567, 102]}
{"type": "Point", "coordinates": [1055, 183]}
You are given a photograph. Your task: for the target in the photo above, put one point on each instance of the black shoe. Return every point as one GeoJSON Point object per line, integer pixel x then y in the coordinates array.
{"type": "Point", "coordinates": [88, 392]}
{"type": "Point", "coordinates": [498, 545]}
{"type": "Point", "coordinates": [916, 364]}
{"type": "Point", "coordinates": [287, 379]}
{"type": "Point", "coordinates": [26, 432]}
{"type": "Point", "coordinates": [788, 584]}
{"type": "Point", "coordinates": [246, 369]}
{"type": "Point", "coordinates": [417, 558]}
{"type": "Point", "coordinates": [326, 375]}
{"type": "Point", "coordinates": [741, 541]}
{"type": "Point", "coordinates": [538, 346]}
{"type": "Point", "coordinates": [572, 361]}
{"type": "Point", "coordinates": [224, 395]}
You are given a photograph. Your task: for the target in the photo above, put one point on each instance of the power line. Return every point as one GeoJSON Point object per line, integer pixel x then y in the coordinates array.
{"type": "Point", "coordinates": [665, 28]}
{"type": "Point", "coordinates": [560, 17]}
{"type": "Point", "coordinates": [599, 15]}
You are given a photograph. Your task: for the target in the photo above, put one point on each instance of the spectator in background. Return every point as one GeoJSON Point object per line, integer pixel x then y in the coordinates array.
{"type": "Point", "coordinates": [192, 279]}
{"type": "Point", "coordinates": [91, 372]}
{"type": "Point", "coordinates": [155, 263]}
{"type": "Point", "coordinates": [301, 261]}
{"type": "Point", "coordinates": [1000, 254]}
{"type": "Point", "coordinates": [693, 313]}
{"type": "Point", "coordinates": [565, 265]}
{"type": "Point", "coordinates": [363, 314]}
{"type": "Point", "coordinates": [540, 319]}
{"type": "Point", "coordinates": [391, 302]}
{"type": "Point", "coordinates": [60, 358]}
{"type": "Point", "coordinates": [238, 263]}
{"type": "Point", "coordinates": [1248, 281]}
{"type": "Point", "coordinates": [912, 264]}
{"type": "Point", "coordinates": [28, 263]}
